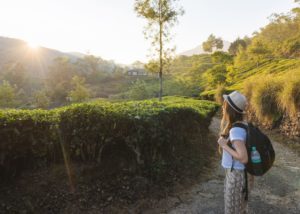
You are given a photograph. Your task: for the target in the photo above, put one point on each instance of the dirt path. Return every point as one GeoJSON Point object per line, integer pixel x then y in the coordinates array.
{"type": "Point", "coordinates": [276, 192]}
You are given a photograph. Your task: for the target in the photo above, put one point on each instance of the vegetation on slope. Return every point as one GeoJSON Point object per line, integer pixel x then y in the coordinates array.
{"type": "Point", "coordinates": [149, 133]}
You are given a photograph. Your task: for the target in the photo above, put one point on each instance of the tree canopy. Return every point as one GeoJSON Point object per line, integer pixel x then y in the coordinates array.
{"type": "Point", "coordinates": [211, 43]}
{"type": "Point", "coordinates": [161, 15]}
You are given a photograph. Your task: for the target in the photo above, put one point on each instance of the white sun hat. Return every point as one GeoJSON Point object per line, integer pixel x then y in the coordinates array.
{"type": "Point", "coordinates": [237, 101]}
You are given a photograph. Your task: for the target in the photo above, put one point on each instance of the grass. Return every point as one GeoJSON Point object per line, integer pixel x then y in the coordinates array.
{"type": "Point", "coordinates": [276, 68]}
{"type": "Point", "coordinates": [264, 98]}
{"type": "Point", "coordinates": [289, 97]}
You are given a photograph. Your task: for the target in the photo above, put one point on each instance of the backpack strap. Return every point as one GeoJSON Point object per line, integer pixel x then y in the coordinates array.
{"type": "Point", "coordinates": [243, 126]}
{"type": "Point", "coordinates": [245, 190]}
{"type": "Point", "coordinates": [240, 125]}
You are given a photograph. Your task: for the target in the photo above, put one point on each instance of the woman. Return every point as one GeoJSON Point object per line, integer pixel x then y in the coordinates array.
{"type": "Point", "coordinates": [234, 157]}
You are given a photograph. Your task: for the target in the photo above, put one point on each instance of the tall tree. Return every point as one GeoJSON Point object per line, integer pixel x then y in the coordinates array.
{"type": "Point", "coordinates": [7, 95]}
{"type": "Point", "coordinates": [235, 46]}
{"type": "Point", "coordinates": [215, 76]}
{"type": "Point", "coordinates": [15, 74]}
{"type": "Point", "coordinates": [220, 57]}
{"type": "Point", "coordinates": [258, 51]}
{"type": "Point", "coordinates": [161, 16]}
{"type": "Point", "coordinates": [59, 79]}
{"type": "Point", "coordinates": [211, 43]}
{"type": "Point", "coordinates": [80, 92]}
{"type": "Point", "coordinates": [41, 99]}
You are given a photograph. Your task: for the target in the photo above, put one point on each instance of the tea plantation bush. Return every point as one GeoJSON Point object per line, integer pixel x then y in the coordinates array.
{"type": "Point", "coordinates": [140, 136]}
{"type": "Point", "coordinates": [28, 139]}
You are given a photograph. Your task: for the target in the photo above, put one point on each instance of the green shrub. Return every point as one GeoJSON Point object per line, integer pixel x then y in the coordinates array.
{"type": "Point", "coordinates": [28, 140]}
{"type": "Point", "coordinates": [138, 90]}
{"type": "Point", "coordinates": [289, 97]}
{"type": "Point", "coordinates": [155, 132]}
{"type": "Point", "coordinates": [264, 99]}
{"type": "Point", "coordinates": [8, 96]}
{"type": "Point", "coordinates": [215, 76]}
{"type": "Point", "coordinates": [248, 87]}
{"type": "Point", "coordinates": [219, 93]}
{"type": "Point", "coordinates": [147, 136]}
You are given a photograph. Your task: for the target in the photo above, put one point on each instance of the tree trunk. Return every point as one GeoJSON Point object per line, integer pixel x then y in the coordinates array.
{"type": "Point", "coordinates": [160, 70]}
{"type": "Point", "coordinates": [160, 53]}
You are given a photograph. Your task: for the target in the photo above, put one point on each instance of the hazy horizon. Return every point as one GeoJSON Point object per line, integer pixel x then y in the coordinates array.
{"type": "Point", "coordinates": [111, 29]}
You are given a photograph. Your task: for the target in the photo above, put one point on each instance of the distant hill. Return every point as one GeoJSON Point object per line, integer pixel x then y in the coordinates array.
{"type": "Point", "coordinates": [199, 50]}
{"type": "Point", "coordinates": [77, 54]}
{"type": "Point", "coordinates": [36, 60]}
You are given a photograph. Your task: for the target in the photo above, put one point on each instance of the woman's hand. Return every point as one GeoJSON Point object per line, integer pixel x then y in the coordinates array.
{"type": "Point", "coordinates": [223, 141]}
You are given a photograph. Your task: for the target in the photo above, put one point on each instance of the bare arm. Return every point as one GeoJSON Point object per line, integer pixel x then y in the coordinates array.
{"type": "Point", "coordinates": [240, 152]}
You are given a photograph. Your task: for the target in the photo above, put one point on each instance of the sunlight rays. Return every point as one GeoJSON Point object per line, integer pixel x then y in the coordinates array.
{"type": "Point", "coordinates": [33, 45]}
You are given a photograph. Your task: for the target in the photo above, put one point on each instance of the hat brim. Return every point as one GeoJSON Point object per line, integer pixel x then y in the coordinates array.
{"type": "Point", "coordinates": [225, 97]}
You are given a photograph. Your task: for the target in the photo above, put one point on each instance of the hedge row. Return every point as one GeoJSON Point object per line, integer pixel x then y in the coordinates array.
{"type": "Point", "coordinates": [28, 138]}
{"type": "Point", "coordinates": [142, 135]}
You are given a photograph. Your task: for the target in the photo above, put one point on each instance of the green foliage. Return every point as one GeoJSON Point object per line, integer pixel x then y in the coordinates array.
{"type": "Point", "coordinates": [264, 99]}
{"type": "Point", "coordinates": [15, 74]}
{"type": "Point", "coordinates": [138, 91]}
{"type": "Point", "coordinates": [274, 50]}
{"type": "Point", "coordinates": [183, 79]}
{"type": "Point", "coordinates": [248, 88]}
{"type": "Point", "coordinates": [215, 76]}
{"type": "Point", "coordinates": [59, 79]}
{"type": "Point", "coordinates": [235, 46]}
{"type": "Point", "coordinates": [41, 99]}
{"type": "Point", "coordinates": [276, 67]}
{"type": "Point", "coordinates": [242, 59]}
{"type": "Point", "coordinates": [221, 57]}
{"type": "Point", "coordinates": [161, 15]}
{"type": "Point", "coordinates": [291, 47]}
{"type": "Point", "coordinates": [221, 89]}
{"type": "Point", "coordinates": [7, 95]}
{"type": "Point", "coordinates": [186, 74]}
{"type": "Point", "coordinates": [276, 41]}
{"type": "Point", "coordinates": [270, 96]}
{"type": "Point", "coordinates": [258, 51]}
{"type": "Point", "coordinates": [280, 38]}
{"type": "Point", "coordinates": [211, 43]}
{"type": "Point", "coordinates": [181, 87]}
{"type": "Point", "coordinates": [289, 97]}
{"type": "Point", "coordinates": [152, 66]}
{"type": "Point", "coordinates": [79, 92]}
{"type": "Point", "coordinates": [103, 78]}
{"type": "Point", "coordinates": [153, 132]}
{"type": "Point", "coordinates": [94, 69]}
{"type": "Point", "coordinates": [191, 65]}
{"type": "Point", "coordinates": [28, 140]}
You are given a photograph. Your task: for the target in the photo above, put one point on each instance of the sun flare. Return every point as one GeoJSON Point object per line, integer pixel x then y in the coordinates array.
{"type": "Point", "coordinates": [33, 45]}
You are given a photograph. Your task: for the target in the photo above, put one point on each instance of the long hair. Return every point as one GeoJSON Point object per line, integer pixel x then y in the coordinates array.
{"type": "Point", "coordinates": [229, 117]}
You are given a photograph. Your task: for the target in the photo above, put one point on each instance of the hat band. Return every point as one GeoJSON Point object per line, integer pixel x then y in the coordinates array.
{"type": "Point", "coordinates": [233, 105]}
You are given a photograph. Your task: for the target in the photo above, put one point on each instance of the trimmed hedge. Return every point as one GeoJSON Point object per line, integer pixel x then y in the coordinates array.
{"type": "Point", "coordinates": [28, 139]}
{"type": "Point", "coordinates": [142, 135]}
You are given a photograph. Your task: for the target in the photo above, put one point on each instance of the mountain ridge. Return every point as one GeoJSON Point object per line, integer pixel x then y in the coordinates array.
{"type": "Point", "coordinates": [37, 60]}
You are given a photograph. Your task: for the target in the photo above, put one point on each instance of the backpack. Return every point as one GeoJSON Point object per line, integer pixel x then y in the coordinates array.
{"type": "Point", "coordinates": [256, 138]}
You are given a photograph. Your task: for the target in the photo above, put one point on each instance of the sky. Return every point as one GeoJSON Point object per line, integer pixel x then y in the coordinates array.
{"type": "Point", "coordinates": [111, 29]}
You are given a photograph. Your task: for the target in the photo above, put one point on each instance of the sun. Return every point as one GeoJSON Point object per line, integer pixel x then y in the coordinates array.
{"type": "Point", "coordinates": [33, 45]}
